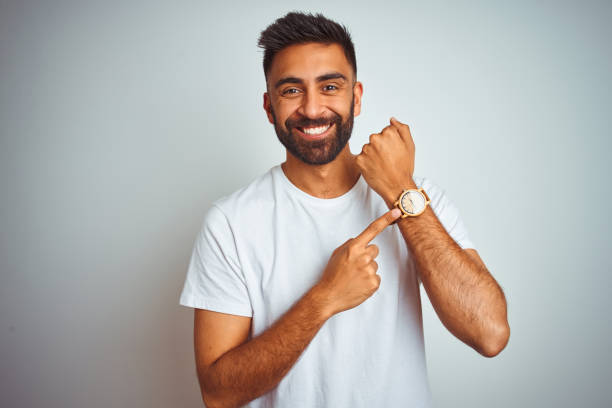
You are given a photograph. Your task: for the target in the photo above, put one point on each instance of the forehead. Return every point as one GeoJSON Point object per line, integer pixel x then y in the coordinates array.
{"type": "Point", "coordinates": [307, 61]}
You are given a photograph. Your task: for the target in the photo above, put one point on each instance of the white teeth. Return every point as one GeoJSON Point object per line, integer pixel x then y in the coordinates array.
{"type": "Point", "coordinates": [316, 130]}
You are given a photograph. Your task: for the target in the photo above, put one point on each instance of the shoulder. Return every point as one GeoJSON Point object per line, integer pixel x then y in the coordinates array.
{"type": "Point", "coordinates": [257, 196]}
{"type": "Point", "coordinates": [435, 193]}
{"type": "Point", "coordinates": [446, 211]}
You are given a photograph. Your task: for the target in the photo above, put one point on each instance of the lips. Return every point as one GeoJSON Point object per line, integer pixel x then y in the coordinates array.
{"type": "Point", "coordinates": [314, 132]}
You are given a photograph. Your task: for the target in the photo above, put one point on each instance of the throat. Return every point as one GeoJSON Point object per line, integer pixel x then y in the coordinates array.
{"type": "Point", "coordinates": [326, 181]}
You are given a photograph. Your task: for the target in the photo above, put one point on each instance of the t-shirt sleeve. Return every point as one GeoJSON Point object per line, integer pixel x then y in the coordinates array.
{"type": "Point", "coordinates": [215, 280]}
{"type": "Point", "coordinates": [447, 213]}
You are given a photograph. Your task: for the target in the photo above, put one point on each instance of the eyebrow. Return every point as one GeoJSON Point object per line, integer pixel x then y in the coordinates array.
{"type": "Point", "coordinates": [320, 78]}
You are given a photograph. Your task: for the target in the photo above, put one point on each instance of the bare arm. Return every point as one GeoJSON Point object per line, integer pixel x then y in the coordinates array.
{"type": "Point", "coordinates": [254, 367]}
{"type": "Point", "coordinates": [468, 300]}
{"type": "Point", "coordinates": [465, 296]}
{"type": "Point", "coordinates": [233, 371]}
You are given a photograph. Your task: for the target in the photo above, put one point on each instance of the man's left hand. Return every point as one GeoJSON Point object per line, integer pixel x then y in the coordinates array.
{"type": "Point", "coordinates": [387, 162]}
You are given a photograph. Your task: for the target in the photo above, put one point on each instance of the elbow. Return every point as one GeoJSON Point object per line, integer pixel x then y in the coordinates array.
{"type": "Point", "coordinates": [217, 398]}
{"type": "Point", "coordinates": [210, 401]}
{"type": "Point", "coordinates": [210, 397]}
{"type": "Point", "coordinates": [495, 341]}
{"type": "Point", "coordinates": [213, 401]}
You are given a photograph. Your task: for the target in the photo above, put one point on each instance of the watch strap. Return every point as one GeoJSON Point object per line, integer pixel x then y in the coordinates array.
{"type": "Point", "coordinates": [405, 214]}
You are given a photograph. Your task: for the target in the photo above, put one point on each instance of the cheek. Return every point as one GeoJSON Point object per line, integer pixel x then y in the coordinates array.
{"type": "Point", "coordinates": [342, 107]}
{"type": "Point", "coordinates": [286, 110]}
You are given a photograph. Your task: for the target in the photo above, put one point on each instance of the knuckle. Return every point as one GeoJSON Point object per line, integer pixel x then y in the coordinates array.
{"type": "Point", "coordinates": [372, 225]}
{"type": "Point", "coordinates": [352, 250]}
{"type": "Point", "coordinates": [366, 259]}
{"type": "Point", "coordinates": [370, 270]}
{"type": "Point", "coordinates": [376, 281]}
{"type": "Point", "coordinates": [345, 247]}
{"type": "Point", "coordinates": [339, 250]}
{"type": "Point", "coordinates": [389, 130]}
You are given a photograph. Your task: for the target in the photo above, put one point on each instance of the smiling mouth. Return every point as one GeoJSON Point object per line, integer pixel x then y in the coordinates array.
{"type": "Point", "coordinates": [314, 132]}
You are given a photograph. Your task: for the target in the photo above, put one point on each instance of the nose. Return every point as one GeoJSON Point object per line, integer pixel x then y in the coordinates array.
{"type": "Point", "coordinates": [312, 106]}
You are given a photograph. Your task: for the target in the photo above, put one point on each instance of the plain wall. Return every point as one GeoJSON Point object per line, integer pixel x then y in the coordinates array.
{"type": "Point", "coordinates": [121, 122]}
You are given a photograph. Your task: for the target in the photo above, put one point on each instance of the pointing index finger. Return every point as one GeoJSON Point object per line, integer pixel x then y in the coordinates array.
{"type": "Point", "coordinates": [377, 226]}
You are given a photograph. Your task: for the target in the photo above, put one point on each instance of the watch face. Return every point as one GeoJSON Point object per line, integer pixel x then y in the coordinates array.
{"type": "Point", "coordinates": [413, 202]}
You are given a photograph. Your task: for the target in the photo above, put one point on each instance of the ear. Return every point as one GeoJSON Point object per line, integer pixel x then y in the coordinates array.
{"type": "Point", "coordinates": [357, 93]}
{"type": "Point", "coordinates": [266, 106]}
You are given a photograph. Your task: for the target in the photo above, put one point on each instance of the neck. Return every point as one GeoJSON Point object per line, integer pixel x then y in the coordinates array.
{"type": "Point", "coordinates": [323, 181]}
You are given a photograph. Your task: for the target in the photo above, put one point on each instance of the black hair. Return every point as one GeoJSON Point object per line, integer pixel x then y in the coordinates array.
{"type": "Point", "coordinates": [300, 28]}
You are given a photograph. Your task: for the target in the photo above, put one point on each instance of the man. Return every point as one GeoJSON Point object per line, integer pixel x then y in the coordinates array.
{"type": "Point", "coordinates": [305, 295]}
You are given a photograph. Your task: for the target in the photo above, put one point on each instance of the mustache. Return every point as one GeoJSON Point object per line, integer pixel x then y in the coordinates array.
{"type": "Point", "coordinates": [306, 122]}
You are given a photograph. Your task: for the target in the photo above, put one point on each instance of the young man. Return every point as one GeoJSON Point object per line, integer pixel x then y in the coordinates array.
{"type": "Point", "coordinates": [305, 295]}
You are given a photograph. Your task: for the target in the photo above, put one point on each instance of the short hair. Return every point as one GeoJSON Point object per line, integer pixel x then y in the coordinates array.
{"type": "Point", "coordinates": [300, 28]}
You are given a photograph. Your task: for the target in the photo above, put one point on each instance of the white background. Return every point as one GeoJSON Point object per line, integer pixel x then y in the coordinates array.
{"type": "Point", "coordinates": [121, 122]}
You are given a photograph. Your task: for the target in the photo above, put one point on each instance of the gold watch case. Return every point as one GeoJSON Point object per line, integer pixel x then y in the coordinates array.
{"type": "Point", "coordinates": [412, 202]}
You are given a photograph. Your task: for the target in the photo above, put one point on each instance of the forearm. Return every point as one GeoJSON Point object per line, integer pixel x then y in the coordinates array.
{"type": "Point", "coordinates": [468, 300]}
{"type": "Point", "coordinates": [257, 366]}
{"type": "Point", "coordinates": [462, 291]}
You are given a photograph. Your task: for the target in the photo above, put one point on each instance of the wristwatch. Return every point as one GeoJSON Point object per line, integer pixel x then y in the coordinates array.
{"type": "Point", "coordinates": [412, 202]}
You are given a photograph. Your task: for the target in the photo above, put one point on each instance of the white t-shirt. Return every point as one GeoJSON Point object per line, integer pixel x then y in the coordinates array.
{"type": "Point", "coordinates": [263, 247]}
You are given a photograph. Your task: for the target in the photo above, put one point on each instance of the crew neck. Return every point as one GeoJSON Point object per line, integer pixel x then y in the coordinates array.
{"type": "Point", "coordinates": [294, 190]}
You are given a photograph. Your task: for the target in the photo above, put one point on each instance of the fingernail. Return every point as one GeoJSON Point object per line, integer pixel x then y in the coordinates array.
{"type": "Point", "coordinates": [396, 212]}
{"type": "Point", "coordinates": [393, 118]}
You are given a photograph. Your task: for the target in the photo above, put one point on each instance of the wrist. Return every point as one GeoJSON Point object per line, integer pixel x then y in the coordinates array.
{"type": "Point", "coordinates": [391, 195]}
{"type": "Point", "coordinates": [320, 301]}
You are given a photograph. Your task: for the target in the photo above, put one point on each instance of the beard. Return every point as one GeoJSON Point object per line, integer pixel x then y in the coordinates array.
{"type": "Point", "coordinates": [316, 152]}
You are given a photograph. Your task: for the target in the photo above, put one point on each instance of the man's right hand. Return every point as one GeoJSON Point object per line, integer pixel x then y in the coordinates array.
{"type": "Point", "coordinates": [234, 370]}
{"type": "Point", "coordinates": [350, 275]}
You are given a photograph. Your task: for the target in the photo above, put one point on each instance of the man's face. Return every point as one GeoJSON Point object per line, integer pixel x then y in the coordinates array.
{"type": "Point", "coordinates": [311, 100]}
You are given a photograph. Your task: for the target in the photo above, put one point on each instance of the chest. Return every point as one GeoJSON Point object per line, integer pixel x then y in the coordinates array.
{"type": "Point", "coordinates": [287, 254]}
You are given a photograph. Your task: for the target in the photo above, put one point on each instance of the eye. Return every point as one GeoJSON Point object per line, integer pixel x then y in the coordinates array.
{"type": "Point", "coordinates": [330, 87]}
{"type": "Point", "coordinates": [290, 91]}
